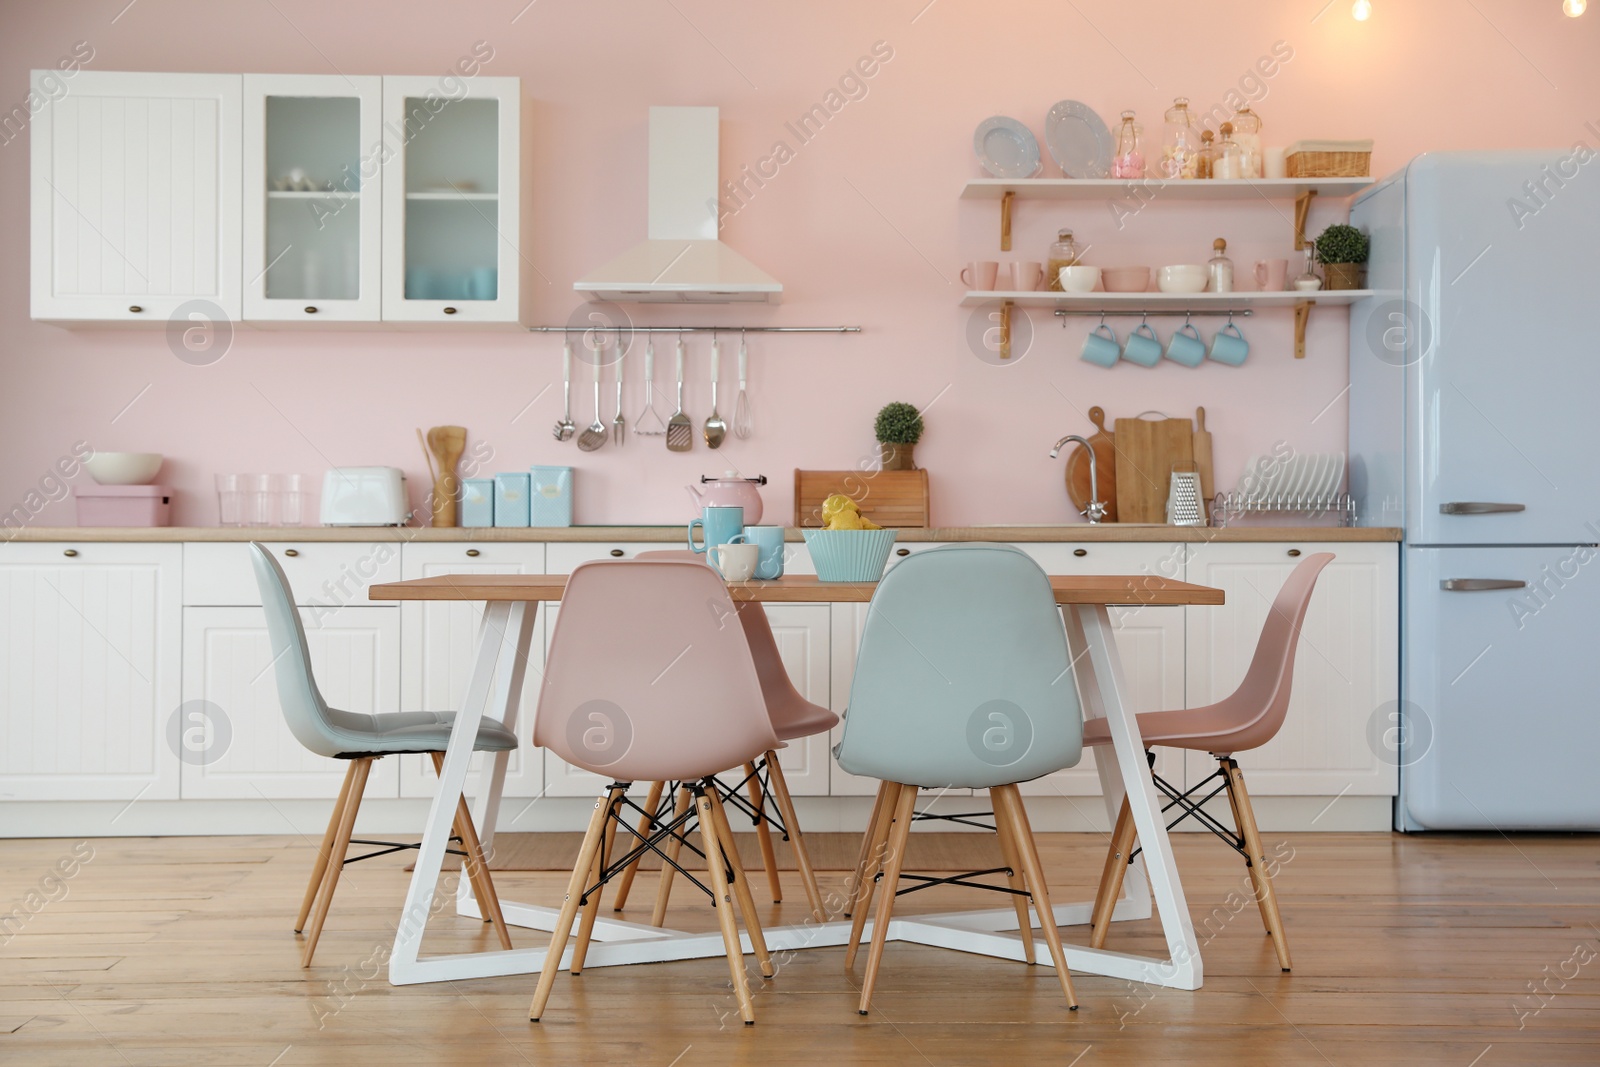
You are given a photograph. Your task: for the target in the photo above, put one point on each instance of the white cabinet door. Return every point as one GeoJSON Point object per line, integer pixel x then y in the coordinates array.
{"type": "Point", "coordinates": [1346, 668]}
{"type": "Point", "coordinates": [802, 634]}
{"type": "Point", "coordinates": [313, 255]}
{"type": "Point", "coordinates": [89, 667]}
{"type": "Point", "coordinates": [247, 750]}
{"type": "Point", "coordinates": [438, 640]}
{"type": "Point", "coordinates": [135, 198]}
{"type": "Point", "coordinates": [452, 200]}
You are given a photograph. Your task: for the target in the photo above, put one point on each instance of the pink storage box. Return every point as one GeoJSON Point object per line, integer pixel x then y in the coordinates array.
{"type": "Point", "coordinates": [124, 505]}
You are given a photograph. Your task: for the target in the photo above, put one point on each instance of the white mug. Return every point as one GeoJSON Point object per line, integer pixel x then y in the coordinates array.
{"type": "Point", "coordinates": [734, 560]}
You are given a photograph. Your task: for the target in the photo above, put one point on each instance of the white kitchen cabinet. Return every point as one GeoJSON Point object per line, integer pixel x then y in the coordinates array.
{"type": "Point", "coordinates": [135, 198]}
{"type": "Point", "coordinates": [325, 575]}
{"type": "Point", "coordinates": [438, 642]}
{"type": "Point", "coordinates": [89, 671]}
{"type": "Point", "coordinates": [1345, 671]}
{"type": "Point", "coordinates": [228, 663]}
{"type": "Point", "coordinates": [313, 256]}
{"type": "Point", "coordinates": [453, 201]}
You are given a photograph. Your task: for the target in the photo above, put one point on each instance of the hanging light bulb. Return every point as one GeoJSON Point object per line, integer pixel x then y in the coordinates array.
{"type": "Point", "coordinates": [1573, 8]}
{"type": "Point", "coordinates": [1361, 10]}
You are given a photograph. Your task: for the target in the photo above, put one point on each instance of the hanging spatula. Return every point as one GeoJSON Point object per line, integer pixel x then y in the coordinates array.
{"type": "Point", "coordinates": [594, 435]}
{"type": "Point", "coordinates": [680, 431]}
{"type": "Point", "coordinates": [716, 428]}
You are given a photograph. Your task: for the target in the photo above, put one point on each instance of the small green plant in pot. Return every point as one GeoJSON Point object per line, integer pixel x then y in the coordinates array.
{"type": "Point", "coordinates": [1342, 250]}
{"type": "Point", "coordinates": [898, 428]}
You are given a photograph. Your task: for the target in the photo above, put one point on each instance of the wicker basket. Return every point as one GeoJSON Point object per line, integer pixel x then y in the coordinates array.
{"type": "Point", "coordinates": [1329, 159]}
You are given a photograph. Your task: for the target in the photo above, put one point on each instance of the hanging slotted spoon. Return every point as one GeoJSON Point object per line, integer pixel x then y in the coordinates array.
{"type": "Point", "coordinates": [564, 429]}
{"type": "Point", "coordinates": [595, 435]}
{"type": "Point", "coordinates": [650, 424]}
{"type": "Point", "coordinates": [680, 432]}
{"type": "Point", "coordinates": [716, 430]}
{"type": "Point", "coordinates": [619, 425]}
{"type": "Point", "coordinates": [741, 407]}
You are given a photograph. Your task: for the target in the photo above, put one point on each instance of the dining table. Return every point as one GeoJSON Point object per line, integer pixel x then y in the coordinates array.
{"type": "Point", "coordinates": [500, 670]}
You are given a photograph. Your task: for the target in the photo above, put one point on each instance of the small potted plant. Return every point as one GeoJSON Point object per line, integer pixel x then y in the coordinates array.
{"type": "Point", "coordinates": [1342, 250]}
{"type": "Point", "coordinates": [898, 428]}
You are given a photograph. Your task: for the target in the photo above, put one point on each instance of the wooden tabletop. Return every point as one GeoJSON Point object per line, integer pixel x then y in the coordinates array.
{"type": "Point", "coordinates": [1118, 589]}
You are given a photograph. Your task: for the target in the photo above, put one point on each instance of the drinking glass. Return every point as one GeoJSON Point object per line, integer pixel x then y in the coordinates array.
{"type": "Point", "coordinates": [230, 500]}
{"type": "Point", "coordinates": [291, 499]}
{"type": "Point", "coordinates": [258, 501]}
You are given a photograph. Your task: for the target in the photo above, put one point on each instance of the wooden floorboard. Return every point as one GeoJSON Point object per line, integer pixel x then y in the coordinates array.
{"type": "Point", "coordinates": [1466, 950]}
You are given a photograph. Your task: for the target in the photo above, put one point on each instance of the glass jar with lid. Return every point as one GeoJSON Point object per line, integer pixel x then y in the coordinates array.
{"type": "Point", "coordinates": [1219, 269]}
{"type": "Point", "coordinates": [1129, 161]}
{"type": "Point", "coordinates": [1229, 162]}
{"type": "Point", "coordinates": [1181, 144]}
{"type": "Point", "coordinates": [1205, 160]}
{"type": "Point", "coordinates": [1063, 253]}
{"type": "Point", "coordinates": [1247, 135]}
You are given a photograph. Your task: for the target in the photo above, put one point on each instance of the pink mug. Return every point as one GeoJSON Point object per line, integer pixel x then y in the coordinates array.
{"type": "Point", "coordinates": [980, 274]}
{"type": "Point", "coordinates": [1271, 275]}
{"type": "Point", "coordinates": [1005, 277]}
{"type": "Point", "coordinates": [1029, 276]}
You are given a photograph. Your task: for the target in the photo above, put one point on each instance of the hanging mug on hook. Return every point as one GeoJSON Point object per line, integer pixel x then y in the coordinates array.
{"type": "Point", "coordinates": [1229, 345]}
{"type": "Point", "coordinates": [1100, 347]}
{"type": "Point", "coordinates": [1143, 346]}
{"type": "Point", "coordinates": [1186, 347]}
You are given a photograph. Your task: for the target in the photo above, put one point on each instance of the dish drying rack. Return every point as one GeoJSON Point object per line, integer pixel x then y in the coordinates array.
{"type": "Point", "coordinates": [1228, 506]}
{"type": "Point", "coordinates": [1303, 484]}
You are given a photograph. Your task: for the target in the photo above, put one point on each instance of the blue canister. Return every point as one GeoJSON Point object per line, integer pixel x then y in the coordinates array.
{"type": "Point", "coordinates": [550, 496]}
{"type": "Point", "coordinates": [477, 501]}
{"type": "Point", "coordinates": [511, 499]}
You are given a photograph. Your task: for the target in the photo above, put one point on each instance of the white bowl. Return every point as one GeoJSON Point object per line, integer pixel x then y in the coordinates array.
{"type": "Point", "coordinates": [123, 468]}
{"type": "Point", "coordinates": [1182, 278]}
{"type": "Point", "coordinates": [1079, 278]}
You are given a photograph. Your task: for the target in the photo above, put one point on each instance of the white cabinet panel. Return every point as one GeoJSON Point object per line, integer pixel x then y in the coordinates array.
{"type": "Point", "coordinates": [326, 575]}
{"type": "Point", "coordinates": [89, 662]}
{"type": "Point", "coordinates": [802, 634]}
{"type": "Point", "coordinates": [438, 640]}
{"type": "Point", "coordinates": [135, 197]}
{"type": "Point", "coordinates": [1345, 670]}
{"type": "Point", "coordinates": [227, 661]}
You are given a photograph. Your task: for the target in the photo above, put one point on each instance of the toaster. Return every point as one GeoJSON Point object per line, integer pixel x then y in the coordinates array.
{"type": "Point", "coordinates": [365, 496]}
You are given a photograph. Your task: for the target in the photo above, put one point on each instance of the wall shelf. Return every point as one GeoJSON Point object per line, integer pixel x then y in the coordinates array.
{"type": "Point", "coordinates": [1105, 188]}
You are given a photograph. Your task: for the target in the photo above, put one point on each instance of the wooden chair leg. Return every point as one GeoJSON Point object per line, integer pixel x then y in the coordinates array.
{"type": "Point", "coordinates": [1105, 900]}
{"type": "Point", "coordinates": [341, 846]}
{"type": "Point", "coordinates": [1238, 823]}
{"type": "Point", "coordinates": [758, 800]}
{"type": "Point", "coordinates": [569, 905]}
{"type": "Point", "coordinates": [474, 866]}
{"type": "Point", "coordinates": [1266, 899]}
{"type": "Point", "coordinates": [1011, 800]}
{"type": "Point", "coordinates": [741, 885]}
{"type": "Point", "coordinates": [854, 893]}
{"type": "Point", "coordinates": [591, 910]}
{"type": "Point", "coordinates": [877, 847]}
{"type": "Point", "coordinates": [722, 897]}
{"type": "Point", "coordinates": [652, 804]}
{"type": "Point", "coordinates": [791, 822]}
{"type": "Point", "coordinates": [319, 869]}
{"type": "Point", "coordinates": [674, 847]}
{"type": "Point", "coordinates": [905, 807]}
{"type": "Point", "coordinates": [1013, 858]}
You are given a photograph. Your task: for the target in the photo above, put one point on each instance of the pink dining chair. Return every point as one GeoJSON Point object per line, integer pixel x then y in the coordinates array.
{"type": "Point", "coordinates": [1247, 719]}
{"type": "Point", "coordinates": [793, 717]}
{"type": "Point", "coordinates": [643, 683]}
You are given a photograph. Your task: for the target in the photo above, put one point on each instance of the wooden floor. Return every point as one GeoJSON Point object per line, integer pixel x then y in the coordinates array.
{"type": "Point", "coordinates": [1408, 951]}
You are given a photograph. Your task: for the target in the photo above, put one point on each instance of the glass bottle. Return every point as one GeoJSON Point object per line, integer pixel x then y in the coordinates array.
{"type": "Point", "coordinates": [1129, 161]}
{"type": "Point", "coordinates": [1229, 162]}
{"type": "Point", "coordinates": [1205, 160]}
{"type": "Point", "coordinates": [1219, 270]}
{"type": "Point", "coordinates": [1182, 141]}
{"type": "Point", "coordinates": [1063, 253]}
{"type": "Point", "coordinates": [1247, 135]}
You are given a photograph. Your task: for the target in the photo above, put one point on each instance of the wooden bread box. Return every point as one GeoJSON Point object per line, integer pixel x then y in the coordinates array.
{"type": "Point", "coordinates": [897, 499]}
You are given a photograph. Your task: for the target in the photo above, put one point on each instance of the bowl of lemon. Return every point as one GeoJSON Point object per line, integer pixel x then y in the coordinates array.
{"type": "Point", "coordinates": [849, 547]}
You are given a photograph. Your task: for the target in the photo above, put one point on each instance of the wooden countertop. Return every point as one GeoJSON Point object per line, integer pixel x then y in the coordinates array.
{"type": "Point", "coordinates": [1071, 532]}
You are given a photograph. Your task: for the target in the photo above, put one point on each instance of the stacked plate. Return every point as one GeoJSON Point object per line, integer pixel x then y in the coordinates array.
{"type": "Point", "coordinates": [1306, 478]}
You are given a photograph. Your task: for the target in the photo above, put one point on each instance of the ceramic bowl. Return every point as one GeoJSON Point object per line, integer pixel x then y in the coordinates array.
{"type": "Point", "coordinates": [1125, 279]}
{"type": "Point", "coordinates": [849, 555]}
{"type": "Point", "coordinates": [1182, 278]}
{"type": "Point", "coordinates": [123, 468]}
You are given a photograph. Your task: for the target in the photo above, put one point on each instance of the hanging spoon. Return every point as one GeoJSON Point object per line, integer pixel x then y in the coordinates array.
{"type": "Point", "coordinates": [716, 429]}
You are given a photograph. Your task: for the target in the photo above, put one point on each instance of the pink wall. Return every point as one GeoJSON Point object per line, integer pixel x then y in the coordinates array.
{"type": "Point", "coordinates": [863, 226]}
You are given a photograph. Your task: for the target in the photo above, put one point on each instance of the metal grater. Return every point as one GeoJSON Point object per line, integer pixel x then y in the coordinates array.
{"type": "Point", "coordinates": [1183, 500]}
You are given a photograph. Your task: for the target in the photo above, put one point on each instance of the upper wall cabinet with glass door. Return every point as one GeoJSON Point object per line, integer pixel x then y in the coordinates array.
{"type": "Point", "coordinates": [313, 209]}
{"type": "Point", "coordinates": [452, 191]}
{"type": "Point", "coordinates": [134, 197]}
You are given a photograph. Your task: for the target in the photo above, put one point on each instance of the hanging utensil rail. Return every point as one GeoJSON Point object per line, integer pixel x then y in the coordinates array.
{"type": "Point", "coordinates": [1152, 312]}
{"type": "Point", "coordinates": [694, 329]}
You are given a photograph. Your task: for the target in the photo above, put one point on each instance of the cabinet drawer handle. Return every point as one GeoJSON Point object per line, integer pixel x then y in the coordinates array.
{"type": "Point", "coordinates": [449, 311]}
{"type": "Point", "coordinates": [902, 552]}
{"type": "Point", "coordinates": [617, 552]}
{"type": "Point", "coordinates": [1294, 552]}
{"type": "Point", "coordinates": [70, 552]}
{"type": "Point", "coordinates": [291, 552]}
{"type": "Point", "coordinates": [1480, 585]}
{"type": "Point", "coordinates": [311, 311]}
{"type": "Point", "coordinates": [1478, 507]}
{"type": "Point", "coordinates": [1080, 552]}
{"type": "Point", "coordinates": [135, 308]}
{"type": "Point", "coordinates": [472, 552]}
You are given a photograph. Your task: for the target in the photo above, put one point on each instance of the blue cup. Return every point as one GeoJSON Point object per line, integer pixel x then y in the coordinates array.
{"type": "Point", "coordinates": [1186, 347]}
{"type": "Point", "coordinates": [718, 526]}
{"type": "Point", "coordinates": [483, 284]}
{"type": "Point", "coordinates": [419, 283]}
{"type": "Point", "coordinates": [1229, 346]}
{"type": "Point", "coordinates": [1100, 348]}
{"type": "Point", "coordinates": [769, 539]}
{"type": "Point", "coordinates": [1143, 346]}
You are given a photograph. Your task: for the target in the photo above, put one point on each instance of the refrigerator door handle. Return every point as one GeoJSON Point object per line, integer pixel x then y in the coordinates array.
{"type": "Point", "coordinates": [1475, 507]}
{"type": "Point", "coordinates": [1479, 585]}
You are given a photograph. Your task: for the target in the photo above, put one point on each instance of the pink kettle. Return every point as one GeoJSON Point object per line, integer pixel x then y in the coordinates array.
{"type": "Point", "coordinates": [730, 491]}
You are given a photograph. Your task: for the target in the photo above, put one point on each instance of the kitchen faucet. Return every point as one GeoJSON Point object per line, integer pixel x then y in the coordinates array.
{"type": "Point", "coordinates": [1096, 509]}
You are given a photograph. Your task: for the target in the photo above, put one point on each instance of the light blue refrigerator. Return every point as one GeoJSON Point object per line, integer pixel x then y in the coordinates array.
{"type": "Point", "coordinates": [1475, 426]}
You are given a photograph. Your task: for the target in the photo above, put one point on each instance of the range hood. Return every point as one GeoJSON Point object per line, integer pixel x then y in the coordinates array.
{"type": "Point", "coordinates": [682, 262]}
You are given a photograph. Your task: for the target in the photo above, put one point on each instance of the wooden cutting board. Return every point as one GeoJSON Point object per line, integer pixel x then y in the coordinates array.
{"type": "Point", "coordinates": [1146, 450]}
{"type": "Point", "coordinates": [1202, 459]}
{"type": "Point", "coordinates": [1105, 464]}
{"type": "Point", "coordinates": [889, 498]}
